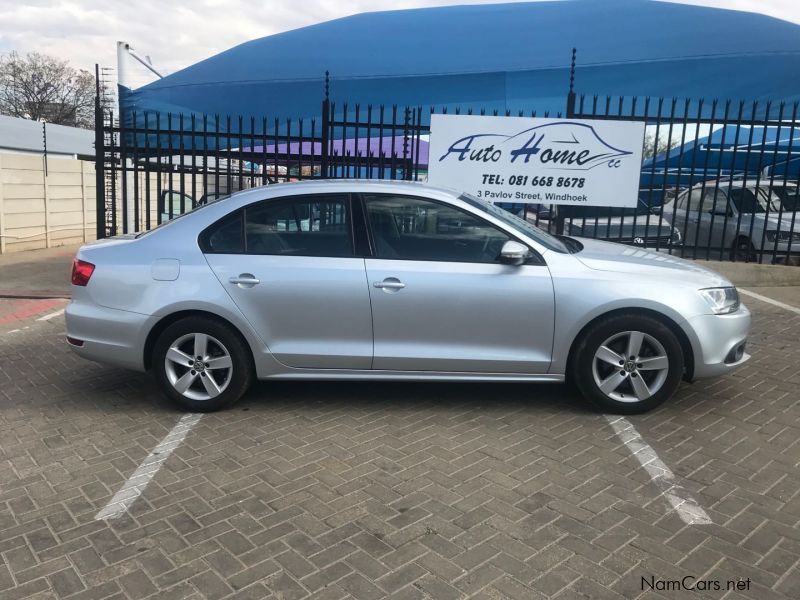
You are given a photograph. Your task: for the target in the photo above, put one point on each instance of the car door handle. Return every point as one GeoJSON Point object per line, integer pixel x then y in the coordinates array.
{"type": "Point", "coordinates": [244, 280]}
{"type": "Point", "coordinates": [390, 283]}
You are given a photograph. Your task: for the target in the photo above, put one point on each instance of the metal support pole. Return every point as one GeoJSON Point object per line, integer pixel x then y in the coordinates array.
{"type": "Point", "coordinates": [326, 115]}
{"type": "Point", "coordinates": [99, 160]}
{"type": "Point", "coordinates": [570, 114]}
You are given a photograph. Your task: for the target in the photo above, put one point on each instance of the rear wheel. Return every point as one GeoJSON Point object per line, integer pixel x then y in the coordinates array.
{"type": "Point", "coordinates": [202, 364]}
{"type": "Point", "coordinates": [628, 364]}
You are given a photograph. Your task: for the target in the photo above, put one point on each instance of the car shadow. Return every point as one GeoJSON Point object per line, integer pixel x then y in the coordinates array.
{"type": "Point", "coordinates": [110, 388]}
{"type": "Point", "coordinates": [543, 398]}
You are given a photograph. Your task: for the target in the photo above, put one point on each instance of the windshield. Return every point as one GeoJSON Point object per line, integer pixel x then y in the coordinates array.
{"type": "Point", "coordinates": [513, 221]}
{"type": "Point", "coordinates": [200, 205]}
{"type": "Point", "coordinates": [746, 201]}
{"type": "Point", "coordinates": [789, 196]}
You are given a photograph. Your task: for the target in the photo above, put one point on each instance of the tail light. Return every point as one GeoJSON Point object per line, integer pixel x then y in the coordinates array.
{"type": "Point", "coordinates": [81, 272]}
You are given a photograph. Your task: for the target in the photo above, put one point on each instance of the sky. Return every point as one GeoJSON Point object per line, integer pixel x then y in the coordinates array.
{"type": "Point", "coordinates": [178, 33]}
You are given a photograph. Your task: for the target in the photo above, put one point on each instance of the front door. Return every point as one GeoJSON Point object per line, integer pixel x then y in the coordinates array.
{"type": "Point", "coordinates": [297, 280]}
{"type": "Point", "coordinates": [440, 299]}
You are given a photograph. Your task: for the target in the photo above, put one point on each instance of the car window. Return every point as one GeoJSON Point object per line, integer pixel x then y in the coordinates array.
{"type": "Point", "coordinates": [715, 202]}
{"type": "Point", "coordinates": [225, 236]}
{"type": "Point", "coordinates": [681, 200]}
{"type": "Point", "coordinates": [746, 202]}
{"type": "Point", "coordinates": [789, 197]}
{"type": "Point", "coordinates": [165, 222]}
{"type": "Point", "coordinates": [316, 225]}
{"type": "Point", "coordinates": [694, 204]}
{"type": "Point", "coordinates": [521, 225]}
{"type": "Point", "coordinates": [412, 228]}
{"type": "Point", "coordinates": [174, 203]}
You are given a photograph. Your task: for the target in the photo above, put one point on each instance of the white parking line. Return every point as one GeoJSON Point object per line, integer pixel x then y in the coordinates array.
{"type": "Point", "coordinates": [137, 482]}
{"type": "Point", "coordinates": [688, 510]}
{"type": "Point", "coordinates": [768, 300]}
{"type": "Point", "coordinates": [15, 330]}
{"type": "Point", "coordinates": [58, 313]}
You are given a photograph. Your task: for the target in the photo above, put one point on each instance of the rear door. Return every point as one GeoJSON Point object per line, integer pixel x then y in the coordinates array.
{"type": "Point", "coordinates": [290, 266]}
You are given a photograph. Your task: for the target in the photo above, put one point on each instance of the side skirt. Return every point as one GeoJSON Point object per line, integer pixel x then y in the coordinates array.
{"type": "Point", "coordinates": [333, 374]}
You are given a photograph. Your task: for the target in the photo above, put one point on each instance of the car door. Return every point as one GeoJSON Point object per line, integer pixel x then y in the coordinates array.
{"type": "Point", "coordinates": [719, 215]}
{"type": "Point", "coordinates": [292, 270]}
{"type": "Point", "coordinates": [689, 214]}
{"type": "Point", "coordinates": [440, 299]}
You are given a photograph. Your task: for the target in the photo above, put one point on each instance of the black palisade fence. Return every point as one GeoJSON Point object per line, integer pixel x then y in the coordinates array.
{"type": "Point", "coordinates": [719, 179]}
{"type": "Point", "coordinates": [722, 175]}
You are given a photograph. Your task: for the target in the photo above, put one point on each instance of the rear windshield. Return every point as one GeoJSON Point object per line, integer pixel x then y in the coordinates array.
{"type": "Point", "coordinates": [188, 212]}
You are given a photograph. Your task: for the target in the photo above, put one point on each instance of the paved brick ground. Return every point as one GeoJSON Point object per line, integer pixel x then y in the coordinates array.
{"type": "Point", "coordinates": [403, 491]}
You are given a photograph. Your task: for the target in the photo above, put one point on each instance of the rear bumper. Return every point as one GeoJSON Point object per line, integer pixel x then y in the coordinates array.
{"type": "Point", "coordinates": [110, 336]}
{"type": "Point", "coordinates": [717, 337]}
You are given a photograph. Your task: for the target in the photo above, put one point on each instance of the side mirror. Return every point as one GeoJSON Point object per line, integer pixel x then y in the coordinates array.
{"type": "Point", "coordinates": [513, 253]}
{"type": "Point", "coordinates": [655, 210]}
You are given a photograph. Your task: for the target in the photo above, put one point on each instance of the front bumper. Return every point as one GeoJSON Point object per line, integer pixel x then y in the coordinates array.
{"type": "Point", "coordinates": [110, 336]}
{"type": "Point", "coordinates": [716, 338]}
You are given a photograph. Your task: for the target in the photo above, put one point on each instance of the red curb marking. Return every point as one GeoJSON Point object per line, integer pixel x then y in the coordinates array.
{"type": "Point", "coordinates": [23, 309]}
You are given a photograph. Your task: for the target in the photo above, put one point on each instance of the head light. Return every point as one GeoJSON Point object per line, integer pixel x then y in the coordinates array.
{"type": "Point", "coordinates": [783, 236]}
{"type": "Point", "coordinates": [722, 300]}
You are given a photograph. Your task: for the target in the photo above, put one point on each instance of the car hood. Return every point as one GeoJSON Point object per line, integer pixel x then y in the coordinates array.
{"type": "Point", "coordinates": [786, 221]}
{"type": "Point", "coordinates": [618, 258]}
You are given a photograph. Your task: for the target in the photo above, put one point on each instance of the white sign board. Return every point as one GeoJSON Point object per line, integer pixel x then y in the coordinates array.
{"type": "Point", "coordinates": [543, 161]}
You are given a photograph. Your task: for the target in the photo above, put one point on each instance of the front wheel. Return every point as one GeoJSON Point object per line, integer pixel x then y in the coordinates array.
{"type": "Point", "coordinates": [202, 364]}
{"type": "Point", "coordinates": [743, 251]}
{"type": "Point", "coordinates": [628, 364]}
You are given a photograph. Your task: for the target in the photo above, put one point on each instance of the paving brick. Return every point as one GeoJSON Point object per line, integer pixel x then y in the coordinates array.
{"type": "Point", "coordinates": [411, 491]}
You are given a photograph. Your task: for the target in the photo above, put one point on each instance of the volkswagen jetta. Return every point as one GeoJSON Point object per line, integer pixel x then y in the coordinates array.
{"type": "Point", "coordinates": [395, 281]}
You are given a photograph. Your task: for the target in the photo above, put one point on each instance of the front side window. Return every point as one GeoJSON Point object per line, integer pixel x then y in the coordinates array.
{"type": "Point", "coordinates": [789, 196]}
{"type": "Point", "coordinates": [411, 228]}
{"type": "Point", "coordinates": [747, 202]}
{"type": "Point", "coordinates": [301, 226]}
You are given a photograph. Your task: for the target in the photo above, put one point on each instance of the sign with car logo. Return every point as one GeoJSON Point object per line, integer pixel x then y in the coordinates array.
{"type": "Point", "coordinates": [540, 161]}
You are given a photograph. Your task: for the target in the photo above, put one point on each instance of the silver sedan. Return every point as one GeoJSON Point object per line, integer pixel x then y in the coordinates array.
{"type": "Point", "coordinates": [384, 280]}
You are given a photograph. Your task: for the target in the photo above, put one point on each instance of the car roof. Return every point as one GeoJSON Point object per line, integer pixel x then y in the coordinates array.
{"type": "Point", "coordinates": [315, 185]}
{"type": "Point", "coordinates": [724, 182]}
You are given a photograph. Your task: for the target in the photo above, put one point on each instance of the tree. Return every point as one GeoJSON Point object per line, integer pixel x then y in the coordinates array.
{"type": "Point", "coordinates": [44, 88]}
{"type": "Point", "coordinates": [653, 146]}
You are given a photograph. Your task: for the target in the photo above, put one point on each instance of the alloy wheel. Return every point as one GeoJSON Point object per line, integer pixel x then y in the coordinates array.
{"type": "Point", "coordinates": [198, 366]}
{"type": "Point", "coordinates": [630, 366]}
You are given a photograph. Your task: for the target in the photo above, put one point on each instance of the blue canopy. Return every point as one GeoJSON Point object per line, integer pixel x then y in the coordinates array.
{"type": "Point", "coordinates": [729, 151]}
{"type": "Point", "coordinates": [493, 56]}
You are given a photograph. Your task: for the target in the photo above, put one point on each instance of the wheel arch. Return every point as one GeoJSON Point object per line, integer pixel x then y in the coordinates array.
{"type": "Point", "coordinates": [683, 339]}
{"type": "Point", "coordinates": [174, 317]}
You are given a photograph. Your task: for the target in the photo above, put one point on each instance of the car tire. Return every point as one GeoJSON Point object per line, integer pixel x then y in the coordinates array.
{"type": "Point", "coordinates": [743, 251]}
{"type": "Point", "coordinates": [623, 382]}
{"type": "Point", "coordinates": [202, 364]}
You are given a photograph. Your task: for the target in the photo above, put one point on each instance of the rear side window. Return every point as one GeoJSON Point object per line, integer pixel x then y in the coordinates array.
{"type": "Point", "coordinates": [225, 236]}
{"type": "Point", "coordinates": [316, 225]}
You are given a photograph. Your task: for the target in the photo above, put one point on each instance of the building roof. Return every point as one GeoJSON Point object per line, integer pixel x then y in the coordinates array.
{"type": "Point", "coordinates": [24, 135]}
{"type": "Point", "coordinates": [492, 56]}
